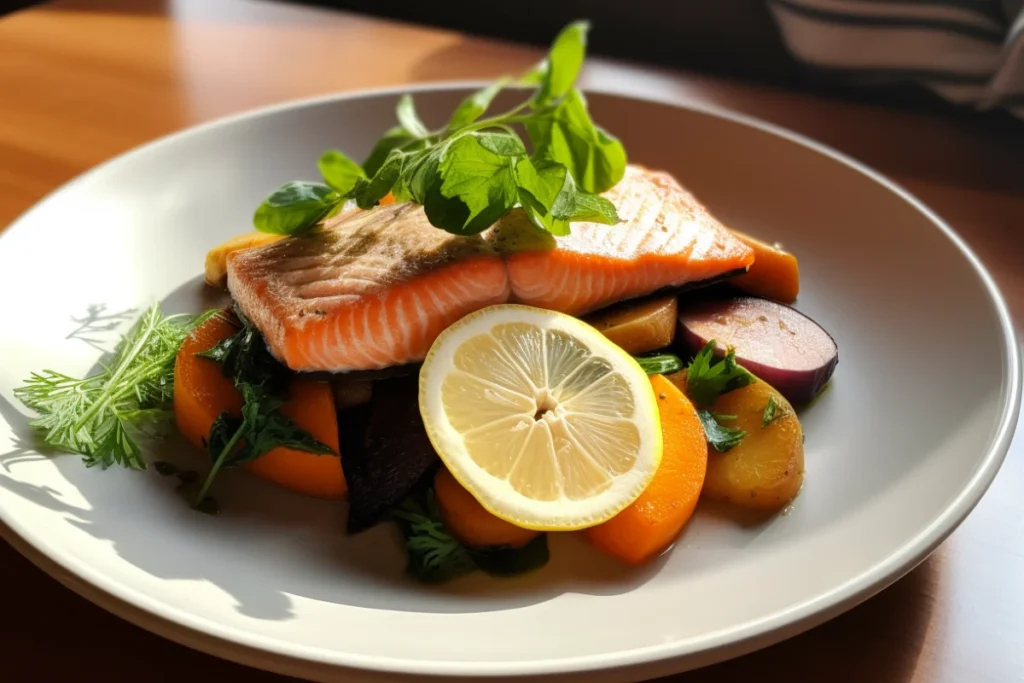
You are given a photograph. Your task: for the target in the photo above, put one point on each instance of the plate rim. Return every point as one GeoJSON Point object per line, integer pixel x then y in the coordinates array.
{"type": "Point", "coordinates": [245, 647]}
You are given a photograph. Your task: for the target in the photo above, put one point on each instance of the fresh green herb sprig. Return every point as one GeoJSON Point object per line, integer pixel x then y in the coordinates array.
{"type": "Point", "coordinates": [99, 416]}
{"type": "Point", "coordinates": [772, 412]}
{"type": "Point", "coordinates": [476, 169]}
{"type": "Point", "coordinates": [262, 381]}
{"type": "Point", "coordinates": [706, 380]}
{"type": "Point", "coordinates": [720, 437]}
{"type": "Point", "coordinates": [661, 364]}
{"type": "Point", "coordinates": [434, 555]}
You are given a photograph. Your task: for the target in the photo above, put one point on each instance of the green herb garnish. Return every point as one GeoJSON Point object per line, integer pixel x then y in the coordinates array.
{"type": "Point", "coordinates": [772, 411]}
{"type": "Point", "coordinates": [476, 169]}
{"type": "Point", "coordinates": [262, 381]}
{"type": "Point", "coordinates": [434, 555]}
{"type": "Point", "coordinates": [707, 378]}
{"type": "Point", "coordinates": [99, 416]}
{"type": "Point", "coordinates": [719, 437]}
{"type": "Point", "coordinates": [662, 364]}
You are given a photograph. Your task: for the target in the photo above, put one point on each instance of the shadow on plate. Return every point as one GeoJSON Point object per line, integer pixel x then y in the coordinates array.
{"type": "Point", "coordinates": [268, 545]}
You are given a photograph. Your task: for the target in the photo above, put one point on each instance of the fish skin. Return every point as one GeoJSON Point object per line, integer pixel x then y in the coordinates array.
{"type": "Point", "coordinates": [373, 289]}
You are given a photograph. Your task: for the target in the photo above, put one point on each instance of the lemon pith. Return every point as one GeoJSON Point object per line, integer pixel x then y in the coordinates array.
{"type": "Point", "coordinates": [544, 421]}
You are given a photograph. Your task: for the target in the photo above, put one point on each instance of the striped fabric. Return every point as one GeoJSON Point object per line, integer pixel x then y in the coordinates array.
{"type": "Point", "coordinates": [971, 52]}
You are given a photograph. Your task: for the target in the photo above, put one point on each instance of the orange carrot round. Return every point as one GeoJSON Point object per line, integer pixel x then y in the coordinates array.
{"type": "Point", "coordinates": [310, 405]}
{"type": "Point", "coordinates": [654, 520]}
{"type": "Point", "coordinates": [202, 393]}
{"type": "Point", "coordinates": [469, 522]}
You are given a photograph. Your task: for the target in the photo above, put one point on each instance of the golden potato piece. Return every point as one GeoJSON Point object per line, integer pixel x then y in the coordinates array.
{"type": "Point", "coordinates": [217, 258]}
{"type": "Point", "coordinates": [766, 469]}
{"type": "Point", "coordinates": [639, 327]}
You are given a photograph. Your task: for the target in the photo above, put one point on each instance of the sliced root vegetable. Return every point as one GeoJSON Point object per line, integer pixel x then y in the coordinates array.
{"type": "Point", "coordinates": [652, 523]}
{"type": "Point", "coordinates": [202, 393]}
{"type": "Point", "coordinates": [638, 327]}
{"type": "Point", "coordinates": [765, 470]}
{"type": "Point", "coordinates": [394, 455]}
{"type": "Point", "coordinates": [469, 522]}
{"type": "Point", "coordinates": [775, 342]}
{"type": "Point", "coordinates": [775, 273]}
{"type": "Point", "coordinates": [216, 271]}
{"type": "Point", "coordinates": [310, 405]}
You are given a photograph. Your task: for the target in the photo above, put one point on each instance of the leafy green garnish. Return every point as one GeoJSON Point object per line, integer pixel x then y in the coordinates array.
{"type": "Point", "coordinates": [96, 417]}
{"type": "Point", "coordinates": [261, 379]}
{"type": "Point", "coordinates": [295, 207]}
{"type": "Point", "coordinates": [339, 172]}
{"type": "Point", "coordinates": [475, 170]}
{"type": "Point", "coordinates": [719, 437]}
{"type": "Point", "coordinates": [707, 378]}
{"type": "Point", "coordinates": [662, 364]}
{"type": "Point", "coordinates": [772, 411]}
{"type": "Point", "coordinates": [434, 555]}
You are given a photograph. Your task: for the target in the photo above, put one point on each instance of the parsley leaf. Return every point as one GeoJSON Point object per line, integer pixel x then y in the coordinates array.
{"type": "Point", "coordinates": [476, 170]}
{"type": "Point", "coordinates": [567, 134]}
{"type": "Point", "coordinates": [262, 380]}
{"type": "Point", "coordinates": [296, 207]}
{"type": "Point", "coordinates": [661, 364]}
{"type": "Point", "coordinates": [474, 106]}
{"type": "Point", "coordinates": [559, 71]}
{"type": "Point", "coordinates": [407, 117]}
{"type": "Point", "coordinates": [434, 555]}
{"type": "Point", "coordinates": [395, 138]}
{"type": "Point", "coordinates": [719, 437]}
{"type": "Point", "coordinates": [772, 412]}
{"type": "Point", "coordinates": [339, 172]}
{"type": "Point", "coordinates": [707, 378]}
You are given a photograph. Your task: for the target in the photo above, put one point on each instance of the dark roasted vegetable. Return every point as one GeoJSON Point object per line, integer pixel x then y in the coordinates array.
{"type": "Point", "coordinates": [778, 344]}
{"type": "Point", "coordinates": [395, 453]}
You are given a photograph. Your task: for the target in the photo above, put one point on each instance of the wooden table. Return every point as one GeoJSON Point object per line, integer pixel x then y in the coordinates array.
{"type": "Point", "coordinates": [83, 81]}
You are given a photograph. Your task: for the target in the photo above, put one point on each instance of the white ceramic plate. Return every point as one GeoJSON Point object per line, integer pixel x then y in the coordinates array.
{"type": "Point", "coordinates": [898, 451]}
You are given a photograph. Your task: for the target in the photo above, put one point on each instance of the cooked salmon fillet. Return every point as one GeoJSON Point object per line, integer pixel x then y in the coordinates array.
{"type": "Point", "coordinates": [373, 289]}
{"type": "Point", "coordinates": [667, 239]}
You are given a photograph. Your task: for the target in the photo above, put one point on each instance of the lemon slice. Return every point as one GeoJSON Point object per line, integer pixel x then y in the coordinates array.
{"type": "Point", "coordinates": [547, 423]}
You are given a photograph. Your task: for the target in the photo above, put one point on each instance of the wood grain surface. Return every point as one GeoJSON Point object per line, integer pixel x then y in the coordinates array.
{"type": "Point", "coordinates": [83, 81]}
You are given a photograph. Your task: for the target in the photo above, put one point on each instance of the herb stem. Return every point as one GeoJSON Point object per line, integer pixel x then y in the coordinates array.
{"type": "Point", "coordinates": [218, 463]}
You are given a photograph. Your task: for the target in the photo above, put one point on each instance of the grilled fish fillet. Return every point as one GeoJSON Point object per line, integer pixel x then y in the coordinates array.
{"type": "Point", "coordinates": [373, 289]}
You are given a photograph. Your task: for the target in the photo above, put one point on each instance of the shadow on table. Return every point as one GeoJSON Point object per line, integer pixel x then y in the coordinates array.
{"type": "Point", "coordinates": [880, 641]}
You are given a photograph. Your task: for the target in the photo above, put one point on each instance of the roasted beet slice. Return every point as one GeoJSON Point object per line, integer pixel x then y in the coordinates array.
{"type": "Point", "coordinates": [777, 343]}
{"type": "Point", "coordinates": [393, 456]}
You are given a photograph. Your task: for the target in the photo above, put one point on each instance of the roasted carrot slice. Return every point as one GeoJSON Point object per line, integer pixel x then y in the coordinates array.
{"type": "Point", "coordinates": [202, 393]}
{"type": "Point", "coordinates": [310, 405]}
{"type": "Point", "coordinates": [469, 522]}
{"type": "Point", "coordinates": [774, 274]}
{"type": "Point", "coordinates": [652, 523]}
